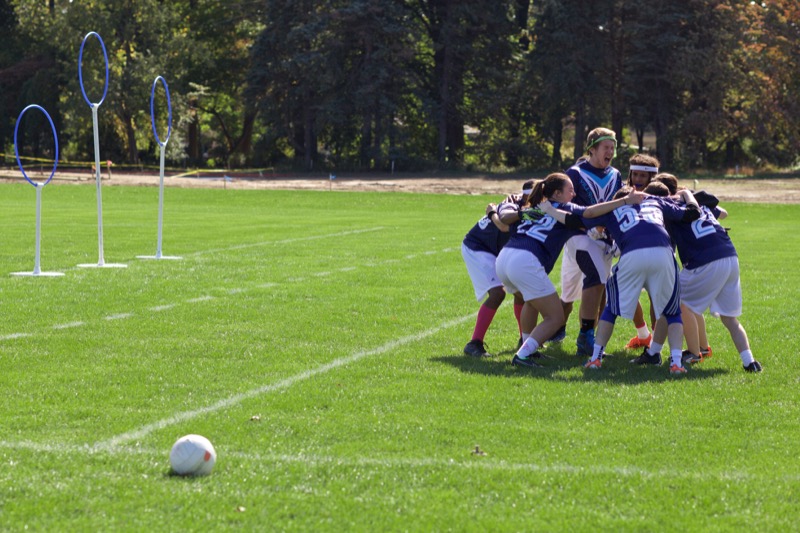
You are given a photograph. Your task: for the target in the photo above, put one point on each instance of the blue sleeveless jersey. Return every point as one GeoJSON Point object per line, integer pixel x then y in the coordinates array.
{"type": "Point", "coordinates": [702, 241]}
{"type": "Point", "coordinates": [640, 226]}
{"type": "Point", "coordinates": [593, 185]}
{"type": "Point", "coordinates": [484, 236]}
{"type": "Point", "coordinates": [544, 237]}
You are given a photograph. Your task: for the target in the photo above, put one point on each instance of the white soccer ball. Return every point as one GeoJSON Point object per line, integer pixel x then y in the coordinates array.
{"type": "Point", "coordinates": [192, 455]}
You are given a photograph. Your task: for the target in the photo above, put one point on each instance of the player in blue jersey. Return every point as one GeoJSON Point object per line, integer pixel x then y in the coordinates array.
{"type": "Point", "coordinates": [709, 279]}
{"type": "Point", "coordinates": [586, 265]}
{"type": "Point", "coordinates": [479, 249]}
{"type": "Point", "coordinates": [646, 261]}
{"type": "Point", "coordinates": [643, 168]}
{"type": "Point", "coordinates": [531, 252]}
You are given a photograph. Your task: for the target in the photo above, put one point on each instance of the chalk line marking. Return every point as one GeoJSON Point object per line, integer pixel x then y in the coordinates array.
{"type": "Point", "coordinates": [199, 299]}
{"type": "Point", "coordinates": [483, 464]}
{"type": "Point", "coordinates": [164, 307]}
{"type": "Point", "coordinates": [69, 325]}
{"type": "Point", "coordinates": [144, 431]}
{"type": "Point", "coordinates": [12, 336]}
{"type": "Point", "coordinates": [284, 241]}
{"type": "Point", "coordinates": [118, 316]}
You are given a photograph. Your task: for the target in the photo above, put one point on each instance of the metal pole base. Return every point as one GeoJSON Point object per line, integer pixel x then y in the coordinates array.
{"type": "Point", "coordinates": [103, 265]}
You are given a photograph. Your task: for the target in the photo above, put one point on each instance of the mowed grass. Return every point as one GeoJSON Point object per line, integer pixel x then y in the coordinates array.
{"type": "Point", "coordinates": [315, 338]}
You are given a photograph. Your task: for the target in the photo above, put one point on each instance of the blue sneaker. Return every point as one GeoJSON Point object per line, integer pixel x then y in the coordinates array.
{"type": "Point", "coordinates": [558, 336]}
{"type": "Point", "coordinates": [585, 343]}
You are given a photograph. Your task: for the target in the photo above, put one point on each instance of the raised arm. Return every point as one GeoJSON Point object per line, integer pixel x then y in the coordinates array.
{"type": "Point", "coordinates": [491, 212]}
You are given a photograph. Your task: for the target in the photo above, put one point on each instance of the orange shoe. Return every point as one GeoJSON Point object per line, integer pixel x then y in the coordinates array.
{"type": "Point", "coordinates": [706, 353]}
{"type": "Point", "coordinates": [636, 343]}
{"type": "Point", "coordinates": [677, 369]}
{"type": "Point", "coordinates": [595, 365]}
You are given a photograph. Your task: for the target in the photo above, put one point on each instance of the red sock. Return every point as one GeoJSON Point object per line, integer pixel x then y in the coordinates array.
{"type": "Point", "coordinates": [485, 317]}
{"type": "Point", "coordinates": [518, 314]}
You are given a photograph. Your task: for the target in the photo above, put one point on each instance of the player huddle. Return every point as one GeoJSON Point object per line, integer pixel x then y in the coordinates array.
{"type": "Point", "coordinates": [593, 216]}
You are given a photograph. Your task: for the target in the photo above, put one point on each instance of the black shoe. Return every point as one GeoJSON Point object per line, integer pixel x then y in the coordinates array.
{"type": "Point", "coordinates": [558, 336]}
{"type": "Point", "coordinates": [753, 367]}
{"type": "Point", "coordinates": [647, 359]}
{"type": "Point", "coordinates": [689, 358]}
{"type": "Point", "coordinates": [475, 349]}
{"type": "Point", "coordinates": [528, 362]}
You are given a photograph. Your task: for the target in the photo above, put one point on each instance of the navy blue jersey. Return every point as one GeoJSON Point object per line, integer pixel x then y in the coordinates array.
{"type": "Point", "coordinates": [593, 185]}
{"type": "Point", "coordinates": [544, 237]}
{"type": "Point", "coordinates": [648, 219]}
{"type": "Point", "coordinates": [485, 236]}
{"type": "Point", "coordinates": [702, 241]}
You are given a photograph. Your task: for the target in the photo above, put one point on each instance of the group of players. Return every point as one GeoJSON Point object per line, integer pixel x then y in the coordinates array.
{"type": "Point", "coordinates": [594, 216]}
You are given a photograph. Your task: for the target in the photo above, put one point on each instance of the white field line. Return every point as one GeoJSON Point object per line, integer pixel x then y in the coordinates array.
{"type": "Point", "coordinates": [272, 387]}
{"type": "Point", "coordinates": [489, 463]}
{"type": "Point", "coordinates": [235, 290]}
{"type": "Point", "coordinates": [284, 241]}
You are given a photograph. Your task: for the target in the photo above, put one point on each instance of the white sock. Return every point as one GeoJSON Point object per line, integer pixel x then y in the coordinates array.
{"type": "Point", "coordinates": [747, 357]}
{"type": "Point", "coordinates": [676, 357]}
{"type": "Point", "coordinates": [654, 348]}
{"type": "Point", "coordinates": [525, 336]}
{"type": "Point", "coordinates": [597, 350]}
{"type": "Point", "coordinates": [528, 347]}
{"type": "Point", "coordinates": [643, 332]}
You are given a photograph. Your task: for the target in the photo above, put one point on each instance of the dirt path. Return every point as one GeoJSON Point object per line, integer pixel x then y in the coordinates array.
{"type": "Point", "coordinates": [739, 189]}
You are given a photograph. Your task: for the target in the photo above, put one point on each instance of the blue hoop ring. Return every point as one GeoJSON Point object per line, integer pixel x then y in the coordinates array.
{"type": "Point", "coordinates": [153, 114]}
{"type": "Point", "coordinates": [16, 146]}
{"type": "Point", "coordinates": [80, 68]}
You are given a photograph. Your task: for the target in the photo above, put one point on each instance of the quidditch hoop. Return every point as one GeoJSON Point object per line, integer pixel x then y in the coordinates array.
{"type": "Point", "coordinates": [153, 114]}
{"type": "Point", "coordinates": [16, 145]}
{"type": "Point", "coordinates": [80, 68]}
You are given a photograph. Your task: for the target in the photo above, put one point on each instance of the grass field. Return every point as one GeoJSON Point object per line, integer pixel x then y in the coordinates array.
{"type": "Point", "coordinates": [315, 338]}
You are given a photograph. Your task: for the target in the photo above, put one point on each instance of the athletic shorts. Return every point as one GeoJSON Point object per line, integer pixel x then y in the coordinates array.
{"type": "Point", "coordinates": [653, 269]}
{"type": "Point", "coordinates": [584, 265]}
{"type": "Point", "coordinates": [481, 269]}
{"type": "Point", "coordinates": [713, 286]}
{"type": "Point", "coordinates": [521, 272]}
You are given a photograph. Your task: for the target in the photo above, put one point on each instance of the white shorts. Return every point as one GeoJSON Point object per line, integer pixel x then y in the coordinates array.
{"type": "Point", "coordinates": [575, 266]}
{"type": "Point", "coordinates": [481, 269]}
{"type": "Point", "coordinates": [653, 269]}
{"type": "Point", "coordinates": [521, 272]}
{"type": "Point", "coordinates": [714, 286]}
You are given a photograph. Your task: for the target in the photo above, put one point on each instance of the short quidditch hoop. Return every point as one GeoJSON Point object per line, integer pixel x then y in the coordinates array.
{"type": "Point", "coordinates": [80, 68]}
{"type": "Point", "coordinates": [153, 114]}
{"type": "Point", "coordinates": [16, 145]}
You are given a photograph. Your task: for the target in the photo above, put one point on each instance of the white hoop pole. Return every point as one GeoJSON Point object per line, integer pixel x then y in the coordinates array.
{"type": "Point", "coordinates": [101, 261]}
{"type": "Point", "coordinates": [37, 269]}
{"type": "Point", "coordinates": [161, 202]}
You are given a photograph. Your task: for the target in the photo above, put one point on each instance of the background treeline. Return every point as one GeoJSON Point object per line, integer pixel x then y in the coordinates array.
{"type": "Point", "coordinates": [410, 84]}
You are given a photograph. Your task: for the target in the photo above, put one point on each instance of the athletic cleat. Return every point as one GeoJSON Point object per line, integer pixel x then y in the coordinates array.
{"type": "Point", "coordinates": [527, 362]}
{"type": "Point", "coordinates": [677, 369]}
{"type": "Point", "coordinates": [636, 342]}
{"type": "Point", "coordinates": [558, 336]}
{"type": "Point", "coordinates": [706, 353]}
{"type": "Point", "coordinates": [647, 359]}
{"type": "Point", "coordinates": [585, 343]}
{"type": "Point", "coordinates": [753, 367]}
{"type": "Point", "coordinates": [595, 364]}
{"type": "Point", "coordinates": [688, 358]}
{"type": "Point", "coordinates": [475, 348]}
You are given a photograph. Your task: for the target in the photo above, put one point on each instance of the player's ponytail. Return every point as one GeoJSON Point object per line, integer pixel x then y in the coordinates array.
{"type": "Point", "coordinates": [547, 188]}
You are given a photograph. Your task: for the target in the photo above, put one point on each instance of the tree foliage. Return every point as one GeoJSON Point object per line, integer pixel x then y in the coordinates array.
{"type": "Point", "coordinates": [412, 84]}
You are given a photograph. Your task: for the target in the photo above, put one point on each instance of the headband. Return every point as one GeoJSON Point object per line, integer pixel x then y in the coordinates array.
{"type": "Point", "coordinates": [644, 168]}
{"type": "Point", "coordinates": [527, 191]}
{"type": "Point", "coordinates": [603, 138]}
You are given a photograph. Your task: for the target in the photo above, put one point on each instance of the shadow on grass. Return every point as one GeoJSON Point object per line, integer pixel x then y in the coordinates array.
{"type": "Point", "coordinates": [565, 366]}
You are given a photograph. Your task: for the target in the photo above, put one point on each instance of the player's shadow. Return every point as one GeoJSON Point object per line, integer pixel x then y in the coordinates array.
{"type": "Point", "coordinates": [560, 365]}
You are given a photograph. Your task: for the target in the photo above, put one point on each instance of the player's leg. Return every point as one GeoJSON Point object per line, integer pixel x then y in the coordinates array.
{"type": "Point", "coordinates": [691, 354]}
{"type": "Point", "coordinates": [592, 262]}
{"type": "Point", "coordinates": [705, 347]}
{"type": "Point", "coordinates": [643, 337]}
{"type": "Point", "coordinates": [739, 337]}
{"type": "Point", "coordinates": [651, 355]}
{"type": "Point", "coordinates": [481, 267]}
